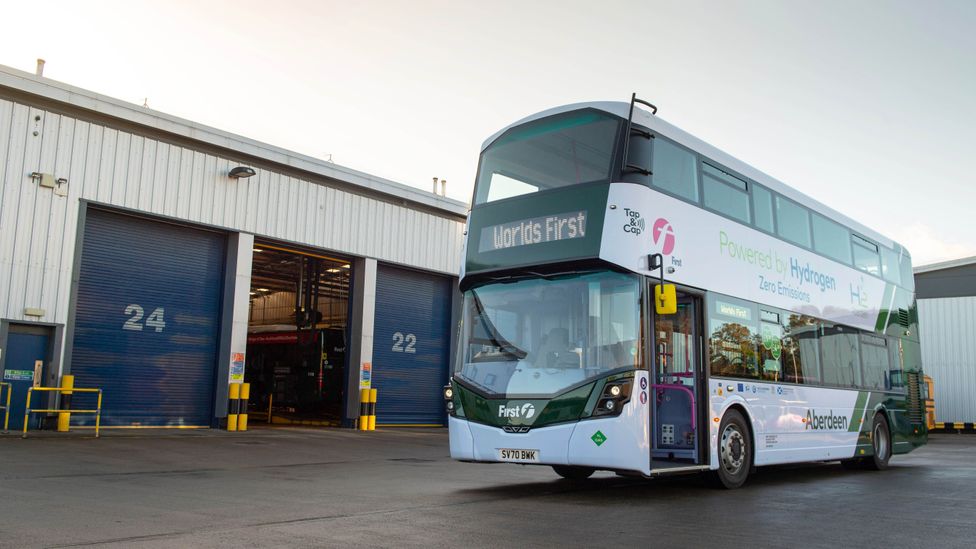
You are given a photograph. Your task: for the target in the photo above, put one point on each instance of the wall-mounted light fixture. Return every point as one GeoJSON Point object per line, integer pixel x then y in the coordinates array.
{"type": "Point", "coordinates": [241, 172]}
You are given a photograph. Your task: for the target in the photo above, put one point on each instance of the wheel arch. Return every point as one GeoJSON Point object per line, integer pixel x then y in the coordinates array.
{"type": "Point", "coordinates": [740, 405]}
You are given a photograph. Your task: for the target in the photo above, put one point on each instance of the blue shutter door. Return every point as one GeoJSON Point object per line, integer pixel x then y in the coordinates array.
{"type": "Point", "coordinates": [146, 323]}
{"type": "Point", "coordinates": [411, 346]}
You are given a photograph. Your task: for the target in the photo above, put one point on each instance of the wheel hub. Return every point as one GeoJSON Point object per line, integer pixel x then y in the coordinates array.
{"type": "Point", "coordinates": [733, 446]}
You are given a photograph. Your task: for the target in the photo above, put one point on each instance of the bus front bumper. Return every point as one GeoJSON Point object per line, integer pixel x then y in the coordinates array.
{"type": "Point", "coordinates": [610, 443]}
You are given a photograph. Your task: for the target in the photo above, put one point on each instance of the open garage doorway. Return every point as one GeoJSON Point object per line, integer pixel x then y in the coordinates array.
{"type": "Point", "coordinates": [297, 333]}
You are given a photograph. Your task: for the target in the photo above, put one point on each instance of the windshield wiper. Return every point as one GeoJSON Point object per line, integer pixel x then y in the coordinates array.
{"type": "Point", "coordinates": [496, 337]}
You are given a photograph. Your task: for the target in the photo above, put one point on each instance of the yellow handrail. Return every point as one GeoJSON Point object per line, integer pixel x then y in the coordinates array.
{"type": "Point", "coordinates": [97, 411]}
{"type": "Point", "coordinates": [6, 407]}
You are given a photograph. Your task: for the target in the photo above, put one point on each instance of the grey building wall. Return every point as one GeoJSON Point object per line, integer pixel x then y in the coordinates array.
{"type": "Point", "coordinates": [115, 154]}
{"type": "Point", "coordinates": [947, 330]}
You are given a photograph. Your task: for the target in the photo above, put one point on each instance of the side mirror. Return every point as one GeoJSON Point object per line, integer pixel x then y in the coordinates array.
{"type": "Point", "coordinates": [665, 299]}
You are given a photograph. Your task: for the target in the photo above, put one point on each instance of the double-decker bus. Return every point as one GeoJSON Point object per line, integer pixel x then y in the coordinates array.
{"type": "Point", "coordinates": [793, 335]}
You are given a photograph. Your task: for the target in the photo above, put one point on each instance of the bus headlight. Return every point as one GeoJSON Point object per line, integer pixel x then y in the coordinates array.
{"type": "Point", "coordinates": [448, 393]}
{"type": "Point", "coordinates": [615, 394]}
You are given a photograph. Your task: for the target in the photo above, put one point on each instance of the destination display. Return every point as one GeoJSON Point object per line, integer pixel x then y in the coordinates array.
{"type": "Point", "coordinates": [537, 230]}
{"type": "Point", "coordinates": [708, 251]}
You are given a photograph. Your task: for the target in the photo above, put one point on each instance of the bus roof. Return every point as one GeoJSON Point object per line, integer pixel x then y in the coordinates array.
{"type": "Point", "coordinates": [645, 118]}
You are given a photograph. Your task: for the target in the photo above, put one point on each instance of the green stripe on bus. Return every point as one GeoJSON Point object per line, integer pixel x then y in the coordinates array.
{"type": "Point", "coordinates": [862, 398]}
{"type": "Point", "coordinates": [884, 311]}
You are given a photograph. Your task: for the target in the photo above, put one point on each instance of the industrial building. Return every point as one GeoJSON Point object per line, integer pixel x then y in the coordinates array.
{"type": "Point", "coordinates": [161, 260]}
{"type": "Point", "coordinates": [946, 294]}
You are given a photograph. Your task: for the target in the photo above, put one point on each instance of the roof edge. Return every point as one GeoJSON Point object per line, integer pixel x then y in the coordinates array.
{"type": "Point", "coordinates": [79, 98]}
{"type": "Point", "coordinates": [941, 265]}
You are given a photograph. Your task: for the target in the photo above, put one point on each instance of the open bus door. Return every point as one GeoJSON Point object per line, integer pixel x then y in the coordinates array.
{"type": "Point", "coordinates": [676, 394]}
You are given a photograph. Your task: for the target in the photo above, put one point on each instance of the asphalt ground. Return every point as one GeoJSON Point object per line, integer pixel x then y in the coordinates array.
{"type": "Point", "coordinates": [294, 487]}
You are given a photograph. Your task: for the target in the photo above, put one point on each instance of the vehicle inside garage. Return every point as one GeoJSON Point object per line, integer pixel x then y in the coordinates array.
{"type": "Point", "coordinates": [297, 334]}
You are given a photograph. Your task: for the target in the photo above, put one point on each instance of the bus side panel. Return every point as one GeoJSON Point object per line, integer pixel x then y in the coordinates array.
{"type": "Point", "coordinates": [797, 423]}
{"type": "Point", "coordinates": [621, 442]}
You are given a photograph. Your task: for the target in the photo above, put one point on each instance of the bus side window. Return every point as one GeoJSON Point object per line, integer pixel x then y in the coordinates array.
{"type": "Point", "coordinates": [770, 347]}
{"type": "Point", "coordinates": [801, 350]}
{"type": "Point", "coordinates": [733, 350]}
{"type": "Point", "coordinates": [874, 361]}
{"type": "Point", "coordinates": [841, 355]}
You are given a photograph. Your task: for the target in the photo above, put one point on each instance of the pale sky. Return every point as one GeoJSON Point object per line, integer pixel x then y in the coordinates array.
{"type": "Point", "coordinates": [868, 106]}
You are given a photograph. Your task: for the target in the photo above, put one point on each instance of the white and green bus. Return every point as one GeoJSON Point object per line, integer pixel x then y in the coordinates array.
{"type": "Point", "coordinates": [794, 333]}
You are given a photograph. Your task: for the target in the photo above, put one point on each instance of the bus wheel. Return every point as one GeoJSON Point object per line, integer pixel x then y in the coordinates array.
{"type": "Point", "coordinates": [881, 440]}
{"type": "Point", "coordinates": [734, 452]}
{"type": "Point", "coordinates": [573, 472]}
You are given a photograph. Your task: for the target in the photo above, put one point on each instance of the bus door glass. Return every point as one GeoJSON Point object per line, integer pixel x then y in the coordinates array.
{"type": "Point", "coordinates": [676, 355]}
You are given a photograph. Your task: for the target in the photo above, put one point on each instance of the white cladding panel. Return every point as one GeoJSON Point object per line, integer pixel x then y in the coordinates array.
{"type": "Point", "coordinates": [117, 168]}
{"type": "Point", "coordinates": [947, 330]}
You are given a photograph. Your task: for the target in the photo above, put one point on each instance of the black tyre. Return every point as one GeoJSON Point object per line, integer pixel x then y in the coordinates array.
{"type": "Point", "coordinates": [734, 452]}
{"type": "Point", "coordinates": [573, 472]}
{"type": "Point", "coordinates": [881, 441]}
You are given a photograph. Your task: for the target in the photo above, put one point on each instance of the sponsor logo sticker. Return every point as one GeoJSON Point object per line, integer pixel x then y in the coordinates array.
{"type": "Point", "coordinates": [663, 235]}
{"type": "Point", "coordinates": [525, 411]}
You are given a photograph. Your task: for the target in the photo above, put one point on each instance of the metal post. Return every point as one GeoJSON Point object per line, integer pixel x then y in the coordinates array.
{"type": "Point", "coordinates": [364, 409]}
{"type": "Point", "coordinates": [64, 418]}
{"type": "Point", "coordinates": [270, 401]}
{"type": "Point", "coordinates": [27, 411]}
{"type": "Point", "coordinates": [372, 409]}
{"type": "Point", "coordinates": [6, 408]}
{"type": "Point", "coordinates": [98, 413]}
{"type": "Point", "coordinates": [234, 396]}
{"type": "Point", "coordinates": [242, 409]}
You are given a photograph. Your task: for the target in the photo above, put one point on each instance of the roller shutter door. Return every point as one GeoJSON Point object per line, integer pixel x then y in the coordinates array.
{"type": "Point", "coordinates": [147, 319]}
{"type": "Point", "coordinates": [411, 346]}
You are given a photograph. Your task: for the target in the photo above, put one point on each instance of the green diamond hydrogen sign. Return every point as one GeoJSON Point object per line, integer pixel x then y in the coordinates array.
{"type": "Point", "coordinates": [598, 438]}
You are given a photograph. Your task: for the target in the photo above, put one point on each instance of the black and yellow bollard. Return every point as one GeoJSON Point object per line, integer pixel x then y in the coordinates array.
{"type": "Point", "coordinates": [233, 405]}
{"type": "Point", "coordinates": [242, 410]}
{"type": "Point", "coordinates": [64, 418]}
{"type": "Point", "coordinates": [372, 410]}
{"type": "Point", "coordinates": [364, 409]}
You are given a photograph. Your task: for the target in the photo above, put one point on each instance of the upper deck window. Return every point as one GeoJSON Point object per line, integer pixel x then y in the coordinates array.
{"type": "Point", "coordinates": [725, 193]}
{"type": "Point", "coordinates": [866, 255]}
{"type": "Point", "coordinates": [831, 239]}
{"type": "Point", "coordinates": [762, 204]}
{"type": "Point", "coordinates": [674, 170]}
{"type": "Point", "coordinates": [792, 221]}
{"type": "Point", "coordinates": [557, 151]}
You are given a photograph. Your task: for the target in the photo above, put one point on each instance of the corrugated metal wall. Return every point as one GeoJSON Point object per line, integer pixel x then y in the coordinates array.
{"type": "Point", "coordinates": [105, 165]}
{"type": "Point", "coordinates": [947, 329]}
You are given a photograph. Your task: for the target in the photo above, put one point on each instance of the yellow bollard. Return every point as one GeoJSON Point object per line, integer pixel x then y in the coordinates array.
{"type": "Point", "coordinates": [235, 393]}
{"type": "Point", "coordinates": [364, 409]}
{"type": "Point", "coordinates": [372, 409]}
{"type": "Point", "coordinates": [242, 411]}
{"type": "Point", "coordinates": [64, 418]}
{"type": "Point", "coordinates": [27, 408]}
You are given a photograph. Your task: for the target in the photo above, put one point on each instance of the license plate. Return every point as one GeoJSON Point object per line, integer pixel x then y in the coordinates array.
{"type": "Point", "coordinates": [514, 454]}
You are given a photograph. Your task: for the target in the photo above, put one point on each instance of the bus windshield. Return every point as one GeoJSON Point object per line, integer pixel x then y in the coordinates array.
{"type": "Point", "coordinates": [540, 336]}
{"type": "Point", "coordinates": [556, 151]}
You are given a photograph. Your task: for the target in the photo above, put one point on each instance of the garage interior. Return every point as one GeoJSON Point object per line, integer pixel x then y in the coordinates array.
{"type": "Point", "coordinates": [297, 335]}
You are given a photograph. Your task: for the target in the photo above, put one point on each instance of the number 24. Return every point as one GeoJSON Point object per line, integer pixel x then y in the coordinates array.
{"type": "Point", "coordinates": [135, 312]}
